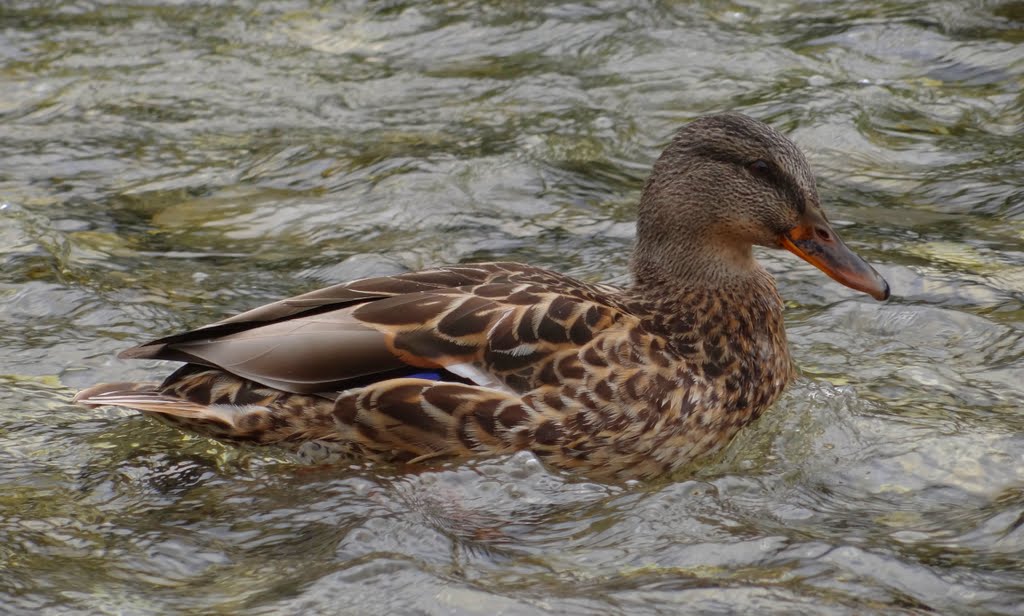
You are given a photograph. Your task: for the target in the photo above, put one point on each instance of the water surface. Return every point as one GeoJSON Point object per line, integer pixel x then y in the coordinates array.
{"type": "Point", "coordinates": [164, 164]}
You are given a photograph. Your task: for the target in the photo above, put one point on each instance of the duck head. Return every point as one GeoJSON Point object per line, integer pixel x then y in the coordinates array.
{"type": "Point", "coordinates": [728, 182]}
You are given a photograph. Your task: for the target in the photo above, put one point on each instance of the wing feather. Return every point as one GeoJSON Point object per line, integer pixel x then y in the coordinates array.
{"type": "Point", "coordinates": [500, 319]}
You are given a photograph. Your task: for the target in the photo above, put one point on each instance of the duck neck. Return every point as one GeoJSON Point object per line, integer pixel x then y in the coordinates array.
{"type": "Point", "coordinates": [722, 297]}
{"type": "Point", "coordinates": [700, 262]}
{"type": "Point", "coordinates": [705, 274]}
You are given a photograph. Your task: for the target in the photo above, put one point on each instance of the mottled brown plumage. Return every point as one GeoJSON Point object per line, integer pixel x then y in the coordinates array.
{"type": "Point", "coordinates": [630, 382]}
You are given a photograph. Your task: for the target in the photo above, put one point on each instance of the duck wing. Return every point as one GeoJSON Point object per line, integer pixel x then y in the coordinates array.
{"type": "Point", "coordinates": [494, 324]}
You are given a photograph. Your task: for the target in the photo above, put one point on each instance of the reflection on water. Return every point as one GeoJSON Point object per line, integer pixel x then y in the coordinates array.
{"type": "Point", "coordinates": [165, 165]}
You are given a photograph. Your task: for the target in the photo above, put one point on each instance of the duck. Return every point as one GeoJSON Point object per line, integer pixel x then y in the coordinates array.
{"type": "Point", "coordinates": [495, 358]}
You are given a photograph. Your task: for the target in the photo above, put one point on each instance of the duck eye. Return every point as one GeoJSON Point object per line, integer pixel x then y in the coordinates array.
{"type": "Point", "coordinates": [760, 168]}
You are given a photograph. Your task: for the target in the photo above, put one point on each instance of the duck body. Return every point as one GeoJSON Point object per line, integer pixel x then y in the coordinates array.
{"type": "Point", "coordinates": [485, 358]}
{"type": "Point", "coordinates": [498, 357]}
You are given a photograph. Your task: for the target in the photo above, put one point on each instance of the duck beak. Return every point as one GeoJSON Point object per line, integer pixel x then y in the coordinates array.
{"type": "Point", "coordinates": [814, 241]}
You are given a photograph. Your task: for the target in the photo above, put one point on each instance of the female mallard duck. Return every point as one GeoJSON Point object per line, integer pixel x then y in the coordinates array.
{"type": "Point", "coordinates": [498, 357]}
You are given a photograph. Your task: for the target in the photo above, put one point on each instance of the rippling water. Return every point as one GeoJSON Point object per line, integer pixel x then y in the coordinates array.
{"type": "Point", "coordinates": [166, 164]}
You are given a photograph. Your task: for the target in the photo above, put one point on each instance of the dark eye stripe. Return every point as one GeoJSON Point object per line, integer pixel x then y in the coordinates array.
{"type": "Point", "coordinates": [776, 176]}
{"type": "Point", "coordinates": [761, 168]}
{"type": "Point", "coordinates": [766, 171]}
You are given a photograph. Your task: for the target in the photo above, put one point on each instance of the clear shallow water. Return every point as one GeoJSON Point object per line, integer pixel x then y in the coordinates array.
{"type": "Point", "coordinates": [165, 164]}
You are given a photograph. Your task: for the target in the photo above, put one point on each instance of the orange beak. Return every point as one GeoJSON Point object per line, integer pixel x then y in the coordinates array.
{"type": "Point", "coordinates": [814, 241]}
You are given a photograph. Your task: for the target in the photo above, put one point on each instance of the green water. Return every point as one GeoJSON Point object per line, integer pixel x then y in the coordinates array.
{"type": "Point", "coordinates": [163, 165]}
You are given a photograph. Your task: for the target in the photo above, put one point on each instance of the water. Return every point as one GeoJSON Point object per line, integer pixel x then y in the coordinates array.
{"type": "Point", "coordinates": [166, 164]}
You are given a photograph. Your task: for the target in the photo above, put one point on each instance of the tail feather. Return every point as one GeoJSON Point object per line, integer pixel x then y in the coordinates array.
{"type": "Point", "coordinates": [84, 396]}
{"type": "Point", "coordinates": [147, 397]}
{"type": "Point", "coordinates": [396, 420]}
